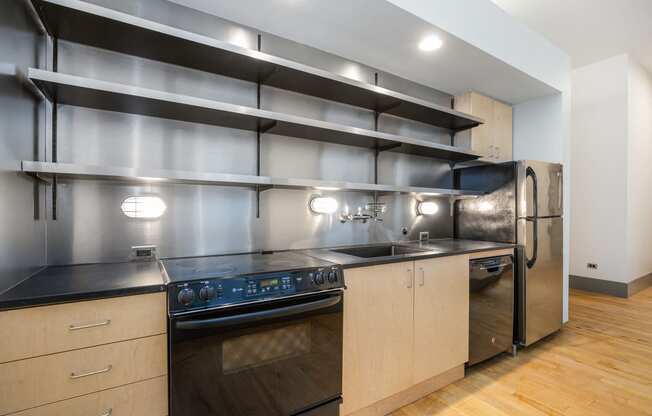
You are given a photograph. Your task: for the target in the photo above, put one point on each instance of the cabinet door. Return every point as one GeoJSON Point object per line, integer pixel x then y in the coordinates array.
{"type": "Point", "coordinates": [441, 315]}
{"type": "Point", "coordinates": [482, 136]}
{"type": "Point", "coordinates": [378, 333]}
{"type": "Point", "coordinates": [502, 132]}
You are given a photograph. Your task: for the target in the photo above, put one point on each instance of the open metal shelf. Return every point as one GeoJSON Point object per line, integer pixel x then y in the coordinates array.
{"type": "Point", "coordinates": [48, 170]}
{"type": "Point", "coordinates": [97, 26]}
{"type": "Point", "coordinates": [87, 92]}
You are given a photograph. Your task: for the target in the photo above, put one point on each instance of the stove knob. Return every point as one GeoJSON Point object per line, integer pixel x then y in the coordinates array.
{"type": "Point", "coordinates": [332, 277]}
{"type": "Point", "coordinates": [207, 293]}
{"type": "Point", "coordinates": [186, 296]}
{"type": "Point", "coordinates": [319, 278]}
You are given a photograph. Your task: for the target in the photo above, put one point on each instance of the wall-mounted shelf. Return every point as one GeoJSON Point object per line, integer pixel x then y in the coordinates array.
{"type": "Point", "coordinates": [97, 26]}
{"type": "Point", "coordinates": [47, 170]}
{"type": "Point", "coordinates": [87, 92]}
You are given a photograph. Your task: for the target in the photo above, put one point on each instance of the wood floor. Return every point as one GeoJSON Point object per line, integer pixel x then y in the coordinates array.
{"type": "Point", "coordinates": [599, 364]}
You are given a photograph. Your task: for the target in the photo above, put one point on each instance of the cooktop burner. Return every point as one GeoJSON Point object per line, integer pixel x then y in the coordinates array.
{"type": "Point", "coordinates": [212, 267]}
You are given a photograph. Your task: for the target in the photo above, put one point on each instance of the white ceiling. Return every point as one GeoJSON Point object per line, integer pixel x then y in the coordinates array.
{"type": "Point", "coordinates": [382, 35]}
{"type": "Point", "coordinates": [590, 30]}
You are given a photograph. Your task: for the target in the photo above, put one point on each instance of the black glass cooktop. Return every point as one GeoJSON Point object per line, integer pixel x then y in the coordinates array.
{"type": "Point", "coordinates": [211, 267]}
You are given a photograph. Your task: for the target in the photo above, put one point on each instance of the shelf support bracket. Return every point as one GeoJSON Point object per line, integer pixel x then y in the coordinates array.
{"type": "Point", "coordinates": [54, 124]}
{"type": "Point", "coordinates": [388, 147]}
{"type": "Point", "coordinates": [388, 107]}
{"type": "Point", "coordinates": [261, 129]}
{"type": "Point", "coordinates": [264, 128]}
{"type": "Point", "coordinates": [264, 76]}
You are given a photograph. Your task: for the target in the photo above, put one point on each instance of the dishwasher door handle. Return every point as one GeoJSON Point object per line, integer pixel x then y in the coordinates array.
{"type": "Point", "coordinates": [252, 317]}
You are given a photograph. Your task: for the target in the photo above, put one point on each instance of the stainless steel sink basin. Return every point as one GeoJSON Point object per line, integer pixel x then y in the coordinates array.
{"type": "Point", "coordinates": [378, 251]}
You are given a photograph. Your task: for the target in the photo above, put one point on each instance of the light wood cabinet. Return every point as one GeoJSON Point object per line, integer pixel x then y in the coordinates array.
{"type": "Point", "coordinates": [378, 332]}
{"type": "Point", "coordinates": [85, 358]}
{"type": "Point", "coordinates": [31, 332]}
{"type": "Point", "coordinates": [493, 139]}
{"type": "Point", "coordinates": [46, 379]}
{"type": "Point", "coordinates": [145, 398]}
{"type": "Point", "coordinates": [441, 315]}
{"type": "Point", "coordinates": [404, 325]}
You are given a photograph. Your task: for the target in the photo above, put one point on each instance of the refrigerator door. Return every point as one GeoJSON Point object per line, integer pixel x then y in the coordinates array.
{"type": "Point", "coordinates": [540, 278]}
{"type": "Point", "coordinates": [540, 189]}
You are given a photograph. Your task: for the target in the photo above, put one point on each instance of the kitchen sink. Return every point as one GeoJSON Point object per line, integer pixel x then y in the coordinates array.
{"type": "Point", "coordinates": [378, 251]}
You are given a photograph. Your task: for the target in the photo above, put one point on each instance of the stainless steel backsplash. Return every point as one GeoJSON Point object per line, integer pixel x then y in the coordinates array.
{"type": "Point", "coordinates": [204, 220]}
{"type": "Point", "coordinates": [22, 238]}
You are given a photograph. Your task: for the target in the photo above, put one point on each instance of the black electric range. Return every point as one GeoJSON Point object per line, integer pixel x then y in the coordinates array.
{"type": "Point", "coordinates": [255, 334]}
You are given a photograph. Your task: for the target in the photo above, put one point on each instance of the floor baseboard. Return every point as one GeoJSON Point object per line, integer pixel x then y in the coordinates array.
{"type": "Point", "coordinates": [609, 287]}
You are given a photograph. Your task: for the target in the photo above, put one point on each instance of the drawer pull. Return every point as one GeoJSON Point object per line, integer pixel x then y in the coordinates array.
{"type": "Point", "coordinates": [107, 413]}
{"type": "Point", "coordinates": [86, 326]}
{"type": "Point", "coordinates": [91, 373]}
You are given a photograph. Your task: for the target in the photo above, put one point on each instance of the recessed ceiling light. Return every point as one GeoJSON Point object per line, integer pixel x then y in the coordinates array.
{"type": "Point", "coordinates": [431, 43]}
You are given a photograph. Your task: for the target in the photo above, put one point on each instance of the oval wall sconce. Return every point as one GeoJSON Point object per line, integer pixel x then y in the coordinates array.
{"type": "Point", "coordinates": [143, 207]}
{"type": "Point", "coordinates": [323, 205]}
{"type": "Point", "coordinates": [427, 208]}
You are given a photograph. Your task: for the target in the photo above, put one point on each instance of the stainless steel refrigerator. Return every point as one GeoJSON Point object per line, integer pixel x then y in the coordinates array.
{"type": "Point", "coordinates": [523, 205]}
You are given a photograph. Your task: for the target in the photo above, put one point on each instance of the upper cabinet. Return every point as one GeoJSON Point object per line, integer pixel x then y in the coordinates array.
{"type": "Point", "coordinates": [493, 139]}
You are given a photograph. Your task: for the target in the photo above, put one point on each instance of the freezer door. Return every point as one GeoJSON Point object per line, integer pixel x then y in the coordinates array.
{"type": "Point", "coordinates": [541, 279]}
{"type": "Point", "coordinates": [540, 189]}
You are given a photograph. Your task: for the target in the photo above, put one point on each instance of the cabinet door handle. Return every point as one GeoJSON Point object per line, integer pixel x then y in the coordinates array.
{"type": "Point", "coordinates": [410, 277]}
{"type": "Point", "coordinates": [74, 327]}
{"type": "Point", "coordinates": [422, 281]}
{"type": "Point", "coordinates": [75, 376]}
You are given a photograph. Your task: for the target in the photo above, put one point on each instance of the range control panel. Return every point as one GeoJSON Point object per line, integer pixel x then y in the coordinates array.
{"type": "Point", "coordinates": [242, 289]}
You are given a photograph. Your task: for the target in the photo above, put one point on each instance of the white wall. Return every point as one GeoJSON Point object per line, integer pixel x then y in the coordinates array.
{"type": "Point", "coordinates": [541, 132]}
{"type": "Point", "coordinates": [599, 151]}
{"type": "Point", "coordinates": [612, 148]}
{"type": "Point", "coordinates": [639, 172]}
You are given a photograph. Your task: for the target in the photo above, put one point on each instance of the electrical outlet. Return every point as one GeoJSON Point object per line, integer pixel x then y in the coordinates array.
{"type": "Point", "coordinates": [424, 236]}
{"type": "Point", "coordinates": [143, 253]}
{"type": "Point", "coordinates": [593, 266]}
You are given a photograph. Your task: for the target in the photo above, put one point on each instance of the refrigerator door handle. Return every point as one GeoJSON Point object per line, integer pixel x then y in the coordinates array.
{"type": "Point", "coordinates": [530, 262]}
{"type": "Point", "coordinates": [529, 172]}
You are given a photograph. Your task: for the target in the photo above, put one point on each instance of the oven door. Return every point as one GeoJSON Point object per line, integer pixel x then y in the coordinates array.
{"type": "Point", "coordinates": [272, 358]}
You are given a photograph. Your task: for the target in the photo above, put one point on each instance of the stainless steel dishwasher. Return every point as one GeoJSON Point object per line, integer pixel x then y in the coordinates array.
{"type": "Point", "coordinates": [491, 303]}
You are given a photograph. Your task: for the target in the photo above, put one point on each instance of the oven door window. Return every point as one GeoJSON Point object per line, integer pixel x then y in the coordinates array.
{"type": "Point", "coordinates": [263, 366]}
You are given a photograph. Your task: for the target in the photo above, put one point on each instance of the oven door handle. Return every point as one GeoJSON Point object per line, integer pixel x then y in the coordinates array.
{"type": "Point", "coordinates": [259, 316]}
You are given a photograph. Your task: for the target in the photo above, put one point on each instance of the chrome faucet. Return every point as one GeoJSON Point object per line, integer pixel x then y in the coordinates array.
{"type": "Point", "coordinates": [372, 211]}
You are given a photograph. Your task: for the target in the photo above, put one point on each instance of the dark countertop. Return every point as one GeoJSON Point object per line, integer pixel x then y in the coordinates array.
{"type": "Point", "coordinates": [59, 284]}
{"type": "Point", "coordinates": [433, 248]}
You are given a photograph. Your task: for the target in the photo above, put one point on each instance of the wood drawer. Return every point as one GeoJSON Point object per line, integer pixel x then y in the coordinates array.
{"type": "Point", "coordinates": [145, 398]}
{"type": "Point", "coordinates": [44, 330]}
{"type": "Point", "coordinates": [37, 381]}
